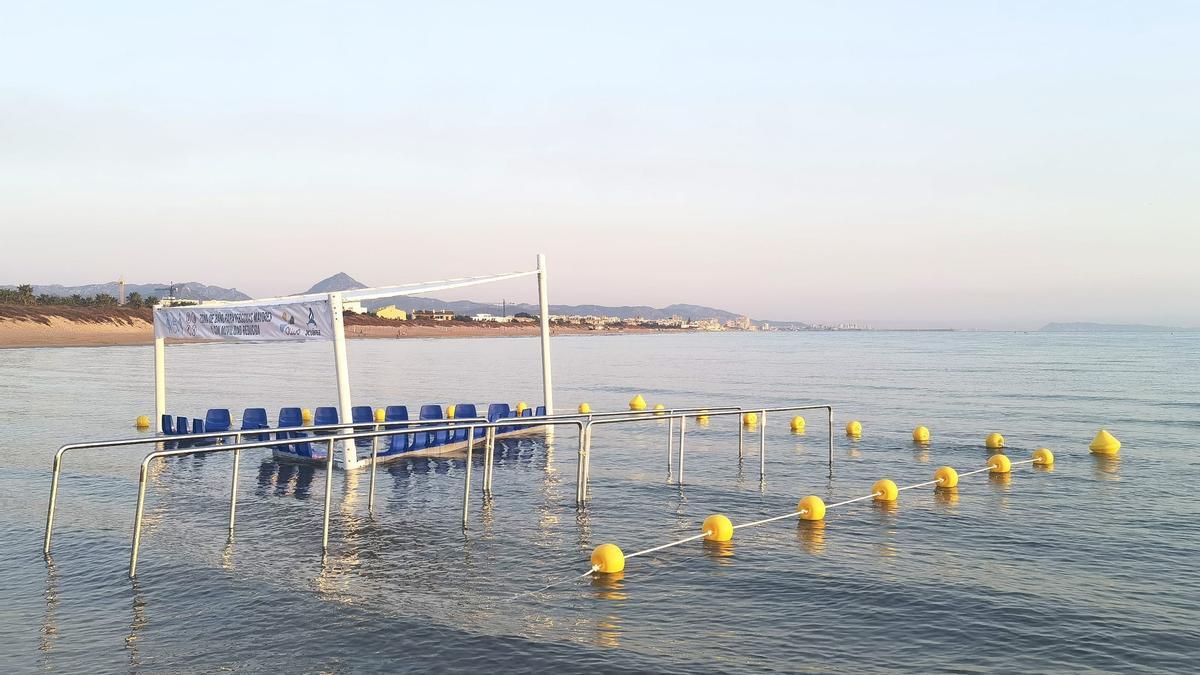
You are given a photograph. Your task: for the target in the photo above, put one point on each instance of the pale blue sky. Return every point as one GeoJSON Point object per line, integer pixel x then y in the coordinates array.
{"type": "Point", "coordinates": [970, 164]}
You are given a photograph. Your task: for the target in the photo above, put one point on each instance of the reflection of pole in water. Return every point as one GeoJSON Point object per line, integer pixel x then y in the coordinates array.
{"type": "Point", "coordinates": [49, 630]}
{"type": "Point", "coordinates": [135, 626]}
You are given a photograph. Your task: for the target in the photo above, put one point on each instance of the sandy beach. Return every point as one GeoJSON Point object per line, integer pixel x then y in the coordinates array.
{"type": "Point", "coordinates": [48, 330]}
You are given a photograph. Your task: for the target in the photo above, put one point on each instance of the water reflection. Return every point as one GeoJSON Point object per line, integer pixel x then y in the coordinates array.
{"type": "Point", "coordinates": [946, 496]}
{"type": "Point", "coordinates": [1106, 467]}
{"type": "Point", "coordinates": [136, 624]}
{"type": "Point", "coordinates": [49, 628]}
{"type": "Point", "coordinates": [921, 452]}
{"type": "Point", "coordinates": [854, 451]}
{"type": "Point", "coordinates": [609, 586]}
{"type": "Point", "coordinates": [719, 552]}
{"type": "Point", "coordinates": [811, 534]}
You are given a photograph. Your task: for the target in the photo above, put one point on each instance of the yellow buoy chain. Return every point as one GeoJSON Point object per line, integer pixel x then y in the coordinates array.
{"type": "Point", "coordinates": [608, 558]}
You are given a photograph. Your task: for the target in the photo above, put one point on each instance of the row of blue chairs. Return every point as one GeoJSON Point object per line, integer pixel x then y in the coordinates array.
{"type": "Point", "coordinates": [253, 419]}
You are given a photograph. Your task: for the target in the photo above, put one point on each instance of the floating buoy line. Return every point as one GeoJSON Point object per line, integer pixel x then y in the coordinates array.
{"type": "Point", "coordinates": [609, 559]}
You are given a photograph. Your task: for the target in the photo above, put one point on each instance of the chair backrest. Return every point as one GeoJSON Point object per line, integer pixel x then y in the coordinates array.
{"type": "Point", "coordinates": [168, 426]}
{"type": "Point", "coordinates": [528, 412]}
{"type": "Point", "coordinates": [432, 411]}
{"type": "Point", "coordinates": [254, 418]}
{"type": "Point", "coordinates": [541, 411]}
{"type": "Point", "coordinates": [217, 419]}
{"type": "Point", "coordinates": [465, 410]}
{"type": "Point", "coordinates": [181, 425]}
{"type": "Point", "coordinates": [395, 413]}
{"type": "Point", "coordinates": [290, 417]}
{"type": "Point", "coordinates": [325, 414]}
{"type": "Point", "coordinates": [362, 413]}
{"type": "Point", "coordinates": [498, 411]}
{"type": "Point", "coordinates": [197, 425]}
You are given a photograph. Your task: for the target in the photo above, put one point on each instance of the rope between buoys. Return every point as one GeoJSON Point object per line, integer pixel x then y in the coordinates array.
{"type": "Point", "coordinates": [674, 543]}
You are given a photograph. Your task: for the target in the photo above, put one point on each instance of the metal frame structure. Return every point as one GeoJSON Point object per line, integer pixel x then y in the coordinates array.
{"type": "Point", "coordinates": [349, 458]}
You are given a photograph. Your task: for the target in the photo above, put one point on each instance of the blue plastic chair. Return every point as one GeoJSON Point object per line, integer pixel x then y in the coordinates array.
{"type": "Point", "coordinates": [433, 411]}
{"type": "Point", "coordinates": [325, 414]}
{"type": "Point", "coordinates": [168, 427]}
{"type": "Point", "coordinates": [361, 414]}
{"type": "Point", "coordinates": [463, 410]}
{"type": "Point", "coordinates": [396, 413]}
{"type": "Point", "coordinates": [541, 411]}
{"type": "Point", "coordinates": [290, 417]}
{"type": "Point", "coordinates": [181, 425]}
{"type": "Point", "coordinates": [217, 419]}
{"type": "Point", "coordinates": [255, 418]}
{"type": "Point", "coordinates": [497, 412]}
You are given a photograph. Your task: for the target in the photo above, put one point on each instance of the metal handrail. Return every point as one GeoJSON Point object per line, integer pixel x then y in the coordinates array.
{"type": "Point", "coordinates": [585, 465]}
{"type": "Point", "coordinates": [166, 438]}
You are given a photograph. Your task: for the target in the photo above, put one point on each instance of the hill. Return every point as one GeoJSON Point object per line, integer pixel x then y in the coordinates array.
{"type": "Point", "coordinates": [338, 282]}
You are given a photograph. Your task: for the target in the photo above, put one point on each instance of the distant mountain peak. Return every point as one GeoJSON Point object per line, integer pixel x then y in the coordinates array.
{"type": "Point", "coordinates": [338, 282]}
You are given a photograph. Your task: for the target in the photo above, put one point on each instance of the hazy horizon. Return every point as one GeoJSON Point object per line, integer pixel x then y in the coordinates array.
{"type": "Point", "coordinates": [943, 164]}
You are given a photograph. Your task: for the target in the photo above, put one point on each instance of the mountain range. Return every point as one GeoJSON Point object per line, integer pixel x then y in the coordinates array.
{"type": "Point", "coordinates": [190, 290]}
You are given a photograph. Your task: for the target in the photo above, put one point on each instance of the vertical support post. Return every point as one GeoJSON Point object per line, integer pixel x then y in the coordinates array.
{"type": "Point", "coordinates": [328, 496]}
{"type": "Point", "coordinates": [467, 479]}
{"type": "Point", "coordinates": [830, 408]}
{"type": "Point", "coordinates": [682, 432]}
{"type": "Point", "coordinates": [233, 484]}
{"type": "Point", "coordinates": [544, 312]}
{"type": "Point", "coordinates": [741, 435]}
{"type": "Point", "coordinates": [374, 463]}
{"type": "Point", "coordinates": [579, 467]}
{"type": "Point", "coordinates": [670, 445]}
{"type": "Point", "coordinates": [762, 446]}
{"type": "Point", "coordinates": [137, 519]}
{"type": "Point", "coordinates": [160, 382]}
{"type": "Point", "coordinates": [489, 448]}
{"type": "Point", "coordinates": [345, 408]}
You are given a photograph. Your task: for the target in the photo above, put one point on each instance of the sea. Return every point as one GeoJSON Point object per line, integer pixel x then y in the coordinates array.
{"type": "Point", "coordinates": [1091, 565]}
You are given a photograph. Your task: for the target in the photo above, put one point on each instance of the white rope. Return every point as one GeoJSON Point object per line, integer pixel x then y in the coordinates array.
{"type": "Point", "coordinates": [674, 543]}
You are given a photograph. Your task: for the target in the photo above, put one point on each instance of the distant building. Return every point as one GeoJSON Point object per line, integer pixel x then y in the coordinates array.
{"type": "Point", "coordinates": [353, 306]}
{"type": "Point", "coordinates": [390, 312]}
{"type": "Point", "coordinates": [483, 316]}
{"type": "Point", "coordinates": [434, 314]}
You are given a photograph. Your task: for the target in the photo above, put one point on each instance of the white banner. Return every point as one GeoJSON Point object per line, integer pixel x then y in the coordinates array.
{"type": "Point", "coordinates": [292, 321]}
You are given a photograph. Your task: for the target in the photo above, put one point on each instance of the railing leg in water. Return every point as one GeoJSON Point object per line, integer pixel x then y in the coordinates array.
{"type": "Point", "coordinates": [233, 484]}
{"type": "Point", "coordinates": [137, 521]}
{"type": "Point", "coordinates": [830, 410]}
{"type": "Point", "coordinates": [374, 462]}
{"type": "Point", "coordinates": [762, 446]}
{"type": "Point", "coordinates": [467, 474]}
{"type": "Point", "coordinates": [682, 433]}
{"type": "Point", "coordinates": [328, 496]}
{"type": "Point", "coordinates": [670, 445]}
{"type": "Point", "coordinates": [741, 436]}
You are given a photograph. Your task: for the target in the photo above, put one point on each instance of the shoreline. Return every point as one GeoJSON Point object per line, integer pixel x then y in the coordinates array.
{"type": "Point", "coordinates": [55, 331]}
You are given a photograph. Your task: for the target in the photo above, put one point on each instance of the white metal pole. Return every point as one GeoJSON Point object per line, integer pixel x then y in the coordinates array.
{"type": "Point", "coordinates": [160, 382]}
{"type": "Point", "coordinates": [544, 311]}
{"type": "Point", "coordinates": [345, 408]}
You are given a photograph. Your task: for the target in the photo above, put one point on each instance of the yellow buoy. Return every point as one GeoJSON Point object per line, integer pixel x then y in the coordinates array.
{"type": "Point", "coordinates": [584, 409]}
{"type": "Point", "coordinates": [142, 422]}
{"type": "Point", "coordinates": [659, 409]}
{"type": "Point", "coordinates": [999, 464]}
{"type": "Point", "coordinates": [608, 559]}
{"type": "Point", "coordinates": [306, 415]}
{"type": "Point", "coordinates": [885, 490]}
{"type": "Point", "coordinates": [811, 508]}
{"type": "Point", "coordinates": [1104, 443]}
{"type": "Point", "coordinates": [637, 403]}
{"type": "Point", "coordinates": [380, 415]}
{"type": "Point", "coordinates": [994, 441]}
{"type": "Point", "coordinates": [921, 434]}
{"type": "Point", "coordinates": [798, 424]}
{"type": "Point", "coordinates": [946, 477]}
{"type": "Point", "coordinates": [521, 406]}
{"type": "Point", "coordinates": [750, 419]}
{"type": "Point", "coordinates": [1043, 457]}
{"type": "Point", "coordinates": [854, 428]}
{"type": "Point", "coordinates": [450, 411]}
{"type": "Point", "coordinates": [717, 528]}
{"type": "Point", "coordinates": [702, 418]}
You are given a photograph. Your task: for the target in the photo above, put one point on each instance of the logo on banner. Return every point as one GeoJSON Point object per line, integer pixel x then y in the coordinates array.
{"type": "Point", "coordinates": [312, 320]}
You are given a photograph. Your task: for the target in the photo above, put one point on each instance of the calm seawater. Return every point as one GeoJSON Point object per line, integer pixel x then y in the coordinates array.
{"type": "Point", "coordinates": [1092, 565]}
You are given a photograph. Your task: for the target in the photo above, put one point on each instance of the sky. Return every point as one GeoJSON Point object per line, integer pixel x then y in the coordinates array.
{"type": "Point", "coordinates": [897, 164]}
